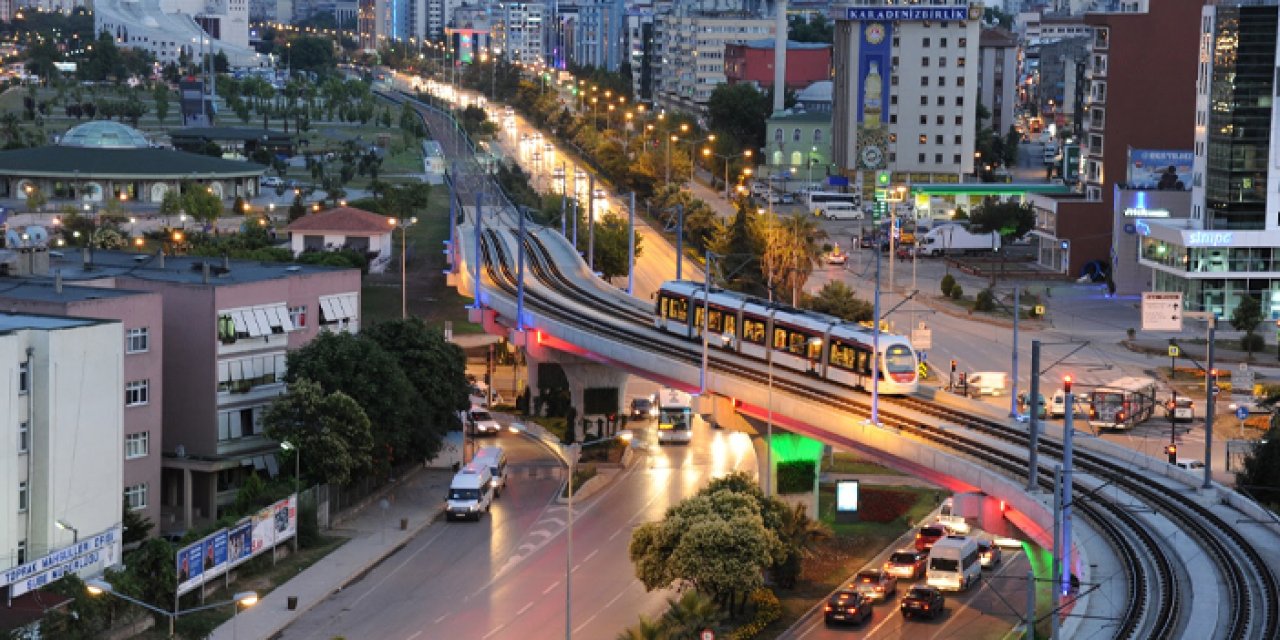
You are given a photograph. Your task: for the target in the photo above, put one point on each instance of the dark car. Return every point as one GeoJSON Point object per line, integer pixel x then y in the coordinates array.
{"type": "Point", "coordinates": [923, 602]}
{"type": "Point", "coordinates": [866, 242]}
{"type": "Point", "coordinates": [641, 409]}
{"type": "Point", "coordinates": [847, 606]}
{"type": "Point", "coordinates": [926, 536]}
{"type": "Point", "coordinates": [906, 563]}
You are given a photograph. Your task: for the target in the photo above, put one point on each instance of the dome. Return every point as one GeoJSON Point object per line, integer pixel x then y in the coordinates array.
{"type": "Point", "coordinates": [104, 134]}
{"type": "Point", "coordinates": [817, 92]}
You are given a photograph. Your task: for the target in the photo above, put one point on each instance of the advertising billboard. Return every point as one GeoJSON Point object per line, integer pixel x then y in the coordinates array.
{"type": "Point", "coordinates": [875, 53]}
{"type": "Point", "coordinates": [1160, 169]}
{"type": "Point", "coordinates": [240, 542]}
{"type": "Point", "coordinates": [190, 566]}
{"type": "Point", "coordinates": [226, 548]}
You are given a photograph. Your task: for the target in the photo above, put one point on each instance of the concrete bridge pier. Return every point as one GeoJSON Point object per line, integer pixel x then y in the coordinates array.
{"type": "Point", "coordinates": [582, 374]}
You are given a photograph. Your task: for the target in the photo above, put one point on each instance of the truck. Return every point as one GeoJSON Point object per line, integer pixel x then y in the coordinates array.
{"type": "Point", "coordinates": [952, 239]}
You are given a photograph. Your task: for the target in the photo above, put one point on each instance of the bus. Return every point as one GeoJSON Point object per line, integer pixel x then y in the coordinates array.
{"type": "Point", "coordinates": [675, 416]}
{"type": "Point", "coordinates": [1121, 404]}
{"type": "Point", "coordinates": [823, 199]}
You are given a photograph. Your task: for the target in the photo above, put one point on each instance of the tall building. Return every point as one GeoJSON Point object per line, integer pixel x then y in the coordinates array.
{"type": "Point", "coordinates": [518, 31]}
{"type": "Point", "coordinates": [168, 30]}
{"type": "Point", "coordinates": [688, 61]}
{"type": "Point", "coordinates": [906, 91]}
{"type": "Point", "coordinates": [1228, 248]}
{"type": "Point", "coordinates": [998, 77]}
{"type": "Point", "coordinates": [599, 34]}
{"type": "Point", "coordinates": [60, 467]}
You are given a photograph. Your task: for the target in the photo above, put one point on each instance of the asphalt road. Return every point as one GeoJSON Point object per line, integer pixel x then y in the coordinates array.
{"type": "Point", "coordinates": [504, 577]}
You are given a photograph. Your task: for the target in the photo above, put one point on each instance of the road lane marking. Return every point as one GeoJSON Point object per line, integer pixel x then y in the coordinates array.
{"type": "Point", "coordinates": [524, 608]}
{"type": "Point", "coordinates": [487, 635]}
{"type": "Point", "coordinates": [615, 533]}
{"type": "Point", "coordinates": [967, 604]}
{"type": "Point", "coordinates": [590, 556]}
{"type": "Point", "coordinates": [399, 567]}
{"type": "Point", "coordinates": [575, 567]}
{"type": "Point", "coordinates": [415, 634]}
{"type": "Point", "coordinates": [548, 589]}
{"type": "Point", "coordinates": [441, 618]}
{"type": "Point", "coordinates": [584, 624]}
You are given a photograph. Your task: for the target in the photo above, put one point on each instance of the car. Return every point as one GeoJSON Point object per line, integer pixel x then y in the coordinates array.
{"type": "Point", "coordinates": [929, 534]}
{"type": "Point", "coordinates": [270, 181]}
{"type": "Point", "coordinates": [988, 554]}
{"type": "Point", "coordinates": [1023, 407]}
{"type": "Point", "coordinates": [906, 563]}
{"type": "Point", "coordinates": [875, 584]}
{"type": "Point", "coordinates": [787, 198]}
{"type": "Point", "coordinates": [926, 602]}
{"type": "Point", "coordinates": [846, 606]}
{"type": "Point", "coordinates": [837, 256]}
{"type": "Point", "coordinates": [1180, 410]}
{"type": "Point", "coordinates": [1190, 464]}
{"type": "Point", "coordinates": [643, 409]}
{"type": "Point", "coordinates": [866, 242]}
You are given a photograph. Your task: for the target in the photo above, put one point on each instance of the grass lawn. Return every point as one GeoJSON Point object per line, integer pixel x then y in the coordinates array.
{"type": "Point", "coordinates": [844, 462]}
{"type": "Point", "coordinates": [835, 560]}
{"type": "Point", "coordinates": [258, 575]}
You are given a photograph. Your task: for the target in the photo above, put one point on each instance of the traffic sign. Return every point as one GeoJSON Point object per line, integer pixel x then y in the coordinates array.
{"type": "Point", "coordinates": [922, 339]}
{"type": "Point", "coordinates": [922, 355]}
{"type": "Point", "coordinates": [1242, 379]}
{"type": "Point", "coordinates": [1039, 310]}
{"type": "Point", "coordinates": [1174, 351]}
{"type": "Point", "coordinates": [1242, 412]}
{"type": "Point", "coordinates": [1162, 311]}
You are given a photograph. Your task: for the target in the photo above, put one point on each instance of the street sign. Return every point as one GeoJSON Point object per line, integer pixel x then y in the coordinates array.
{"type": "Point", "coordinates": [1174, 351]}
{"type": "Point", "coordinates": [1161, 311]}
{"type": "Point", "coordinates": [1242, 379]}
{"type": "Point", "coordinates": [1242, 412]}
{"type": "Point", "coordinates": [922, 355]}
{"type": "Point", "coordinates": [922, 339]}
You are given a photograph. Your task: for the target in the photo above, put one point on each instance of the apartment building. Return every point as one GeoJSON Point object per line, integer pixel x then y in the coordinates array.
{"type": "Point", "coordinates": [905, 91]}
{"type": "Point", "coordinates": [598, 34]}
{"type": "Point", "coordinates": [998, 77]}
{"type": "Point", "coordinates": [752, 62]}
{"type": "Point", "coordinates": [61, 463]}
{"type": "Point", "coordinates": [688, 60]}
{"type": "Point", "coordinates": [141, 316]}
{"type": "Point", "coordinates": [518, 31]}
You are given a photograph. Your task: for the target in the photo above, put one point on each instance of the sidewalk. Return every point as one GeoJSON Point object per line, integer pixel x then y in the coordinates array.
{"type": "Point", "coordinates": [374, 533]}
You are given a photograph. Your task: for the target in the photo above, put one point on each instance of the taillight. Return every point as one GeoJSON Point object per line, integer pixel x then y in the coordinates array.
{"type": "Point", "coordinates": [828, 607]}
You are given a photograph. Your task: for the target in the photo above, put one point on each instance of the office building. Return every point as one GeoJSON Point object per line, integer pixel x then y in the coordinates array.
{"type": "Point", "coordinates": [905, 91]}
{"type": "Point", "coordinates": [998, 77]}
{"type": "Point", "coordinates": [688, 60]}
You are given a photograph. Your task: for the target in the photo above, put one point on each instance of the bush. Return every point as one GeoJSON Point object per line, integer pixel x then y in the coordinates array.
{"type": "Point", "coordinates": [767, 608]}
{"type": "Point", "coordinates": [1252, 342]}
{"type": "Point", "coordinates": [796, 476]}
{"type": "Point", "coordinates": [581, 474]}
{"type": "Point", "coordinates": [884, 505]}
{"type": "Point", "coordinates": [948, 283]}
{"type": "Point", "coordinates": [308, 524]}
{"type": "Point", "coordinates": [985, 301]}
{"type": "Point", "coordinates": [957, 292]}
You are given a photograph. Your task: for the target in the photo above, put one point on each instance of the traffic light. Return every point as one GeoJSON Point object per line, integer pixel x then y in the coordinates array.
{"type": "Point", "coordinates": [1066, 384]}
{"type": "Point", "coordinates": [1171, 450]}
{"type": "Point", "coordinates": [882, 179]}
{"type": "Point", "coordinates": [953, 365]}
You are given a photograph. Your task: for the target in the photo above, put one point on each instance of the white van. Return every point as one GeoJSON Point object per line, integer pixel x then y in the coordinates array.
{"type": "Point", "coordinates": [953, 564]}
{"type": "Point", "coordinates": [987, 383]}
{"type": "Point", "coordinates": [496, 459]}
{"type": "Point", "coordinates": [482, 422]}
{"type": "Point", "coordinates": [470, 492]}
{"type": "Point", "coordinates": [839, 211]}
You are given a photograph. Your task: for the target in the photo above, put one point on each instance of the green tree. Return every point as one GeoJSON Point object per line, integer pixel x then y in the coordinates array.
{"type": "Point", "coordinates": [437, 370]}
{"type": "Point", "coordinates": [136, 526]}
{"type": "Point", "coordinates": [611, 245]}
{"type": "Point", "coordinates": [1260, 475]}
{"type": "Point", "coordinates": [35, 198]}
{"type": "Point", "coordinates": [741, 243]}
{"type": "Point", "coordinates": [739, 112]}
{"type": "Point", "coordinates": [160, 97]}
{"type": "Point", "coordinates": [103, 60]}
{"type": "Point", "coordinates": [645, 629]}
{"type": "Point", "coordinates": [836, 298]}
{"type": "Point", "coordinates": [1006, 217]}
{"type": "Point", "coordinates": [691, 614]}
{"type": "Point", "coordinates": [200, 203]}
{"type": "Point", "coordinates": [363, 370]}
{"type": "Point", "coordinates": [307, 53]}
{"type": "Point", "coordinates": [816, 28]}
{"type": "Point", "coordinates": [799, 535]}
{"type": "Point", "coordinates": [330, 430]}
{"type": "Point", "coordinates": [1247, 315]}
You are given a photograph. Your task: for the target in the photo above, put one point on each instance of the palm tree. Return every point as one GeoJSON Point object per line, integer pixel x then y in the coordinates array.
{"type": "Point", "coordinates": [798, 533]}
{"type": "Point", "coordinates": [646, 629]}
{"type": "Point", "coordinates": [691, 614]}
{"type": "Point", "coordinates": [801, 238]}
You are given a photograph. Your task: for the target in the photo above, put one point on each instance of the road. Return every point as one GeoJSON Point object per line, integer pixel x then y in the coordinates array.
{"type": "Point", "coordinates": [505, 575]}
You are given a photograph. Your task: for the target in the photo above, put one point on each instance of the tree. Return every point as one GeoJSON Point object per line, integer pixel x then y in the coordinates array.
{"type": "Point", "coordinates": [794, 251]}
{"type": "Point", "coordinates": [1008, 218]}
{"type": "Point", "coordinates": [690, 615]}
{"type": "Point", "coordinates": [816, 29]}
{"type": "Point", "coordinates": [307, 53]}
{"type": "Point", "coordinates": [612, 241]}
{"type": "Point", "coordinates": [161, 100]}
{"type": "Point", "coordinates": [1260, 475]}
{"type": "Point", "coordinates": [103, 60]}
{"type": "Point", "coordinates": [739, 111]}
{"type": "Point", "coordinates": [330, 428]}
{"type": "Point", "coordinates": [136, 525]}
{"type": "Point", "coordinates": [645, 629]}
{"type": "Point", "coordinates": [740, 244]}
{"type": "Point", "coordinates": [201, 203]}
{"type": "Point", "coordinates": [837, 299]}
{"type": "Point", "coordinates": [1247, 315]}
{"type": "Point", "coordinates": [798, 535]}
{"type": "Point", "coordinates": [362, 369]}
{"type": "Point", "coordinates": [437, 370]}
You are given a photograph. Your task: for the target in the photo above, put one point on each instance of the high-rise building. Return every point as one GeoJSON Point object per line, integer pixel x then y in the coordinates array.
{"type": "Point", "coordinates": [599, 34]}
{"type": "Point", "coordinates": [688, 60]}
{"type": "Point", "coordinates": [906, 91]}
{"type": "Point", "coordinates": [1228, 248]}
{"type": "Point", "coordinates": [184, 26]}
{"type": "Point", "coordinates": [518, 31]}
{"type": "Point", "coordinates": [998, 77]}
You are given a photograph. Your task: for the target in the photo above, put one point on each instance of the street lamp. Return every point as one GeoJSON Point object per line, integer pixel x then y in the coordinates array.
{"type": "Point", "coordinates": [673, 138]}
{"type": "Point", "coordinates": [244, 599]}
{"type": "Point", "coordinates": [297, 474]}
{"type": "Point", "coordinates": [66, 526]}
{"type": "Point", "coordinates": [402, 224]}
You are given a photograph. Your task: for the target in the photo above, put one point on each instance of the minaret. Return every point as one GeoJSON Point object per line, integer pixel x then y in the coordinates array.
{"type": "Point", "coordinates": [780, 56]}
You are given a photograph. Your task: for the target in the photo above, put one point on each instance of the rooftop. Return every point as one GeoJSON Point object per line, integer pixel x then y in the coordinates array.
{"type": "Point", "coordinates": [99, 162]}
{"type": "Point", "coordinates": [230, 133]}
{"type": "Point", "coordinates": [801, 117]}
{"type": "Point", "coordinates": [178, 269]}
{"type": "Point", "coordinates": [819, 91]}
{"type": "Point", "coordinates": [43, 290]}
{"type": "Point", "coordinates": [997, 37]}
{"type": "Point", "coordinates": [104, 134]}
{"type": "Point", "coordinates": [342, 220]}
{"type": "Point", "coordinates": [772, 43]}
{"type": "Point", "coordinates": [10, 322]}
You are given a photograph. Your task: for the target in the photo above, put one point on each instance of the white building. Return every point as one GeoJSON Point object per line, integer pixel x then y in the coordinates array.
{"type": "Point", "coordinates": [906, 90]}
{"type": "Point", "coordinates": [688, 57]}
{"type": "Point", "coordinates": [998, 77]}
{"type": "Point", "coordinates": [190, 26]}
{"type": "Point", "coordinates": [518, 31]}
{"type": "Point", "coordinates": [61, 413]}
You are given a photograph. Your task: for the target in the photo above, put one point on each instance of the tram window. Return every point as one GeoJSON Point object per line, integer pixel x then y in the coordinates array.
{"type": "Point", "coordinates": [842, 355]}
{"type": "Point", "coordinates": [715, 318]}
{"type": "Point", "coordinates": [729, 322]}
{"type": "Point", "coordinates": [863, 358]}
{"type": "Point", "coordinates": [678, 310]}
{"type": "Point", "coordinates": [798, 342]}
{"type": "Point", "coordinates": [779, 338]}
{"type": "Point", "coordinates": [753, 330]}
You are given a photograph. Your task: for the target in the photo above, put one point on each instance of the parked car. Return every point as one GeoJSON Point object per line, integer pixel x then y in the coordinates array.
{"type": "Point", "coordinates": [928, 535]}
{"type": "Point", "coordinates": [906, 563]}
{"type": "Point", "coordinates": [988, 554]}
{"type": "Point", "coordinates": [270, 181]}
{"type": "Point", "coordinates": [846, 606]}
{"type": "Point", "coordinates": [926, 602]}
{"type": "Point", "coordinates": [875, 584]}
{"type": "Point", "coordinates": [866, 242]}
{"type": "Point", "coordinates": [788, 199]}
{"type": "Point", "coordinates": [1025, 408]}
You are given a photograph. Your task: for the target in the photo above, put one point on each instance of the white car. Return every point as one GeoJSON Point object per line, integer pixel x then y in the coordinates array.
{"type": "Point", "coordinates": [270, 181]}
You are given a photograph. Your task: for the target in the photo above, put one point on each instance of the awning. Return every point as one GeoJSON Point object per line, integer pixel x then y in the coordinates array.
{"type": "Point", "coordinates": [340, 307]}
{"type": "Point", "coordinates": [257, 322]}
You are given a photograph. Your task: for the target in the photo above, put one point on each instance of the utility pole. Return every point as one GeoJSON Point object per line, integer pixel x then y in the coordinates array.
{"type": "Point", "coordinates": [875, 345]}
{"type": "Point", "coordinates": [1033, 433]}
{"type": "Point", "coordinates": [679, 238]}
{"type": "Point", "coordinates": [591, 223]}
{"type": "Point", "coordinates": [1068, 433]}
{"type": "Point", "coordinates": [1056, 570]}
{"type": "Point", "coordinates": [631, 246]}
{"type": "Point", "coordinates": [1032, 402]}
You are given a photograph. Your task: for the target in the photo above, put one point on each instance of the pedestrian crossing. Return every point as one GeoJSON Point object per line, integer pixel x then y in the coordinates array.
{"type": "Point", "coordinates": [535, 472]}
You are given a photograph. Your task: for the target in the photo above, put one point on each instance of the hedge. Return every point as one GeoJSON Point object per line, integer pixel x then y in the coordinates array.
{"type": "Point", "coordinates": [884, 505]}
{"type": "Point", "coordinates": [796, 476]}
{"type": "Point", "coordinates": [767, 609]}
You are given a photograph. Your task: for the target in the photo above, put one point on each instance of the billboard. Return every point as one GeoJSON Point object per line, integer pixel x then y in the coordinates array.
{"type": "Point", "coordinates": [226, 548]}
{"type": "Point", "coordinates": [1161, 169]}
{"type": "Point", "coordinates": [100, 550]}
{"type": "Point", "coordinates": [190, 566]}
{"type": "Point", "coordinates": [875, 52]}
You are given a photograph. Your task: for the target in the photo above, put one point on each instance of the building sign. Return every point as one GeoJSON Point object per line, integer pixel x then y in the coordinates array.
{"type": "Point", "coordinates": [875, 51]}
{"type": "Point", "coordinates": [1160, 169]}
{"type": "Point", "coordinates": [1209, 238]}
{"type": "Point", "coordinates": [912, 14]}
{"type": "Point", "coordinates": [103, 549]}
{"type": "Point", "coordinates": [1143, 212]}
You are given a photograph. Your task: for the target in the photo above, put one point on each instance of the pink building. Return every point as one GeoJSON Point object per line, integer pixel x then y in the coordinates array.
{"type": "Point", "coordinates": [752, 62]}
{"type": "Point", "coordinates": [140, 314]}
{"type": "Point", "coordinates": [227, 327]}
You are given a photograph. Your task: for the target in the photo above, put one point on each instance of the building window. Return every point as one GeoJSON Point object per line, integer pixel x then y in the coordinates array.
{"type": "Point", "coordinates": [942, 81]}
{"type": "Point", "coordinates": [137, 445]}
{"type": "Point", "coordinates": [924, 119]}
{"type": "Point", "coordinates": [923, 139]}
{"type": "Point", "coordinates": [938, 139]}
{"type": "Point", "coordinates": [777, 135]}
{"type": "Point", "coordinates": [24, 377]}
{"type": "Point", "coordinates": [959, 120]}
{"type": "Point", "coordinates": [942, 62]}
{"type": "Point", "coordinates": [817, 136]}
{"type": "Point", "coordinates": [921, 158]}
{"type": "Point", "coordinates": [942, 101]}
{"type": "Point", "coordinates": [964, 42]}
{"type": "Point", "coordinates": [958, 139]}
{"type": "Point", "coordinates": [22, 497]}
{"type": "Point", "coordinates": [298, 316]}
{"type": "Point", "coordinates": [136, 340]}
{"type": "Point", "coordinates": [22, 552]}
{"type": "Point", "coordinates": [937, 158]}
{"type": "Point", "coordinates": [960, 61]}
{"type": "Point", "coordinates": [924, 101]}
{"type": "Point", "coordinates": [940, 120]}
{"type": "Point", "coordinates": [942, 42]}
{"type": "Point", "coordinates": [137, 393]}
{"type": "Point", "coordinates": [924, 61]}
{"type": "Point", "coordinates": [24, 436]}
{"type": "Point", "coordinates": [795, 135]}
{"type": "Point", "coordinates": [924, 43]}
{"type": "Point", "coordinates": [959, 101]}
{"type": "Point", "coordinates": [135, 496]}
{"type": "Point", "coordinates": [924, 81]}
{"type": "Point", "coordinates": [960, 81]}
{"type": "Point", "coordinates": [955, 159]}
{"type": "Point", "coordinates": [893, 118]}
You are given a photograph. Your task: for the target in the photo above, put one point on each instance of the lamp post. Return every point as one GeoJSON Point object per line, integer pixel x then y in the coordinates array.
{"type": "Point", "coordinates": [672, 138]}
{"type": "Point", "coordinates": [244, 599]}
{"type": "Point", "coordinates": [297, 474]}
{"type": "Point", "coordinates": [403, 225]}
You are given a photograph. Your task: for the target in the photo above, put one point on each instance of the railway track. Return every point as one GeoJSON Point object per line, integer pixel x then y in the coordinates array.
{"type": "Point", "coordinates": [1156, 597]}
